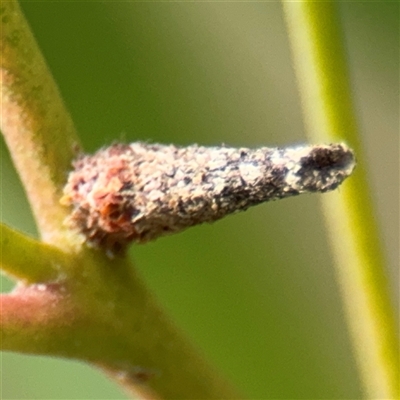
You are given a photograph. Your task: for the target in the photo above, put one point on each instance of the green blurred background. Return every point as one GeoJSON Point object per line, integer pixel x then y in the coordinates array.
{"type": "Point", "coordinates": [256, 292]}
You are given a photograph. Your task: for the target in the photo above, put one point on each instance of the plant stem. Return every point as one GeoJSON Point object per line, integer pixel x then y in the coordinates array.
{"type": "Point", "coordinates": [37, 128]}
{"type": "Point", "coordinates": [28, 260]}
{"type": "Point", "coordinates": [117, 326]}
{"type": "Point", "coordinates": [100, 312]}
{"type": "Point", "coordinates": [350, 218]}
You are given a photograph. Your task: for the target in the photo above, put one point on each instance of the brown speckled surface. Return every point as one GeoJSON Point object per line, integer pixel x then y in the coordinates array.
{"type": "Point", "coordinates": [138, 192]}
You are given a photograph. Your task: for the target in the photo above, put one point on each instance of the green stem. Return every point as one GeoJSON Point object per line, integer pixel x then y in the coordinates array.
{"type": "Point", "coordinates": [322, 74]}
{"type": "Point", "coordinates": [28, 260]}
{"type": "Point", "coordinates": [117, 326]}
{"type": "Point", "coordinates": [100, 311]}
{"type": "Point", "coordinates": [36, 126]}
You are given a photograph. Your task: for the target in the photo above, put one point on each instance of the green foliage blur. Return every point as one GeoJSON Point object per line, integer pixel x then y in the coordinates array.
{"type": "Point", "coordinates": [256, 292]}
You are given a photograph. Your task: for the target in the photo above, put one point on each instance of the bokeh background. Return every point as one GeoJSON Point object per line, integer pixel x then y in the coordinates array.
{"type": "Point", "coordinates": [257, 291]}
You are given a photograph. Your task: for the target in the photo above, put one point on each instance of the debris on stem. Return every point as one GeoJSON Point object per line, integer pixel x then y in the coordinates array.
{"type": "Point", "coordinates": [138, 192]}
